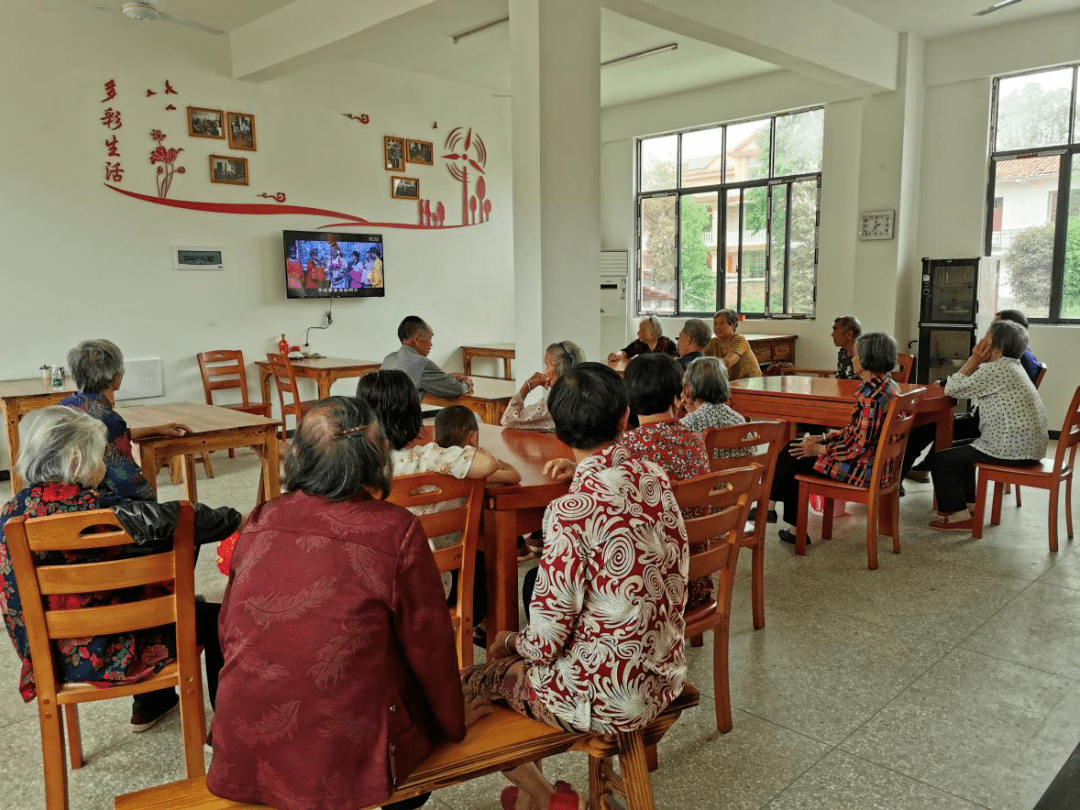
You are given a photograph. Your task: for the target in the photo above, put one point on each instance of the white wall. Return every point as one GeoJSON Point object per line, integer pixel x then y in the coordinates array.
{"type": "Point", "coordinates": [83, 261]}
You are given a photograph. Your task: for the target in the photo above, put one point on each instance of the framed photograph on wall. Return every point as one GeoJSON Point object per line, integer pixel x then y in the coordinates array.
{"type": "Point", "coordinates": [394, 153]}
{"type": "Point", "coordinates": [205, 123]}
{"type": "Point", "coordinates": [405, 188]}
{"type": "Point", "coordinates": [241, 128]}
{"type": "Point", "coordinates": [419, 152]}
{"type": "Point", "coordinates": [229, 169]}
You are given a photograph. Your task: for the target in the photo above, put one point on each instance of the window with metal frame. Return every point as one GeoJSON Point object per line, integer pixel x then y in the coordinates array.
{"type": "Point", "coordinates": [728, 216]}
{"type": "Point", "coordinates": [1033, 193]}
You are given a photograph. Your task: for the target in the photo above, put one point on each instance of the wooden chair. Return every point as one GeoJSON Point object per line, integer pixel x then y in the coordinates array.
{"type": "Point", "coordinates": [727, 495]}
{"type": "Point", "coordinates": [223, 369]}
{"type": "Point", "coordinates": [93, 530]}
{"type": "Point", "coordinates": [499, 741]}
{"type": "Point", "coordinates": [1037, 381]}
{"type": "Point", "coordinates": [465, 499]}
{"type": "Point", "coordinates": [281, 371]}
{"type": "Point", "coordinates": [907, 365]}
{"type": "Point", "coordinates": [1049, 474]}
{"type": "Point", "coordinates": [882, 497]}
{"type": "Point", "coordinates": [764, 441]}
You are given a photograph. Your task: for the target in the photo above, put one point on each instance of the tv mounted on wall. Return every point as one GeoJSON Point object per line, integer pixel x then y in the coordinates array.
{"type": "Point", "coordinates": [333, 265]}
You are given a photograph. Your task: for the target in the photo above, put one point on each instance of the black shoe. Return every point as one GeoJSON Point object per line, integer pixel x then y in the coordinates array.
{"type": "Point", "coordinates": [162, 708]}
{"type": "Point", "coordinates": [771, 517]}
{"type": "Point", "coordinates": [788, 536]}
{"type": "Point", "coordinates": [903, 492]}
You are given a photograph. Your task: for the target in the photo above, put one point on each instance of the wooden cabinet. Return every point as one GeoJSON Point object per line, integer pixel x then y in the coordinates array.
{"type": "Point", "coordinates": [773, 348]}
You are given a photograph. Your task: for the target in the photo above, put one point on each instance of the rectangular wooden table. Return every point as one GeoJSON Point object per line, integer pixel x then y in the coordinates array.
{"type": "Point", "coordinates": [488, 399]}
{"type": "Point", "coordinates": [18, 398]}
{"type": "Point", "coordinates": [505, 351]}
{"type": "Point", "coordinates": [829, 401]}
{"type": "Point", "coordinates": [213, 428]}
{"type": "Point", "coordinates": [324, 370]}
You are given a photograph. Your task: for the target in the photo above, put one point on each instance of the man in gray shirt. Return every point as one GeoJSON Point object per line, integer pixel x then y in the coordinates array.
{"type": "Point", "coordinates": [412, 358]}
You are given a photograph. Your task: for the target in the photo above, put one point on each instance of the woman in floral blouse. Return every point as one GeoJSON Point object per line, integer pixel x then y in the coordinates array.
{"type": "Point", "coordinates": [603, 651]}
{"type": "Point", "coordinates": [847, 454]}
{"type": "Point", "coordinates": [558, 359]}
{"type": "Point", "coordinates": [705, 394]}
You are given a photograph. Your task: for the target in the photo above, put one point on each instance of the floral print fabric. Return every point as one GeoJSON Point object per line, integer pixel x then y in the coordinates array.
{"type": "Point", "coordinates": [604, 645]}
{"type": "Point", "coordinates": [122, 475]}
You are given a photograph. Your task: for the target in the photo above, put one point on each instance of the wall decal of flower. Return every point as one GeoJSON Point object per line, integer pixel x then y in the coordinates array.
{"type": "Point", "coordinates": [166, 156]}
{"type": "Point", "coordinates": [472, 153]}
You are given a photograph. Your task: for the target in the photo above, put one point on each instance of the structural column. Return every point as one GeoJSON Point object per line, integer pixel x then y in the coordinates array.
{"type": "Point", "coordinates": [555, 88]}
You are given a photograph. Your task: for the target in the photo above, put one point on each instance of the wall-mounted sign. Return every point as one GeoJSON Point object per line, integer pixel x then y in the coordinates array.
{"type": "Point", "coordinates": [199, 258]}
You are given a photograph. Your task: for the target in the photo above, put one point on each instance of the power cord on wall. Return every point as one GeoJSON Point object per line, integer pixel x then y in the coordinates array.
{"type": "Point", "coordinates": [329, 323]}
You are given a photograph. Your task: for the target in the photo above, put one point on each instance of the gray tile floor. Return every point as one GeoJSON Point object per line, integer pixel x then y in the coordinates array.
{"type": "Point", "coordinates": [948, 678]}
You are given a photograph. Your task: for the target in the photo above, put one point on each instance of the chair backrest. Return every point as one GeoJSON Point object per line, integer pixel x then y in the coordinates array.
{"type": "Point", "coordinates": [1070, 436]}
{"type": "Point", "coordinates": [285, 381]}
{"type": "Point", "coordinates": [724, 497]}
{"type": "Point", "coordinates": [906, 363]}
{"type": "Point", "coordinates": [1039, 377]}
{"type": "Point", "coordinates": [221, 369]}
{"type": "Point", "coordinates": [463, 500]}
{"type": "Point", "coordinates": [763, 442]}
{"type": "Point", "coordinates": [889, 453]}
{"type": "Point", "coordinates": [85, 532]}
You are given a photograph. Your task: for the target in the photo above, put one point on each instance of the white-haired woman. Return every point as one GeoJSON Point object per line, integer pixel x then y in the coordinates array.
{"type": "Point", "coordinates": [650, 339]}
{"type": "Point", "coordinates": [705, 395]}
{"type": "Point", "coordinates": [62, 460]}
{"type": "Point", "coordinates": [558, 359]}
{"type": "Point", "coordinates": [98, 369]}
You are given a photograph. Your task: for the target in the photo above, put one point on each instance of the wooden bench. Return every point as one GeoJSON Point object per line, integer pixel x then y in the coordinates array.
{"type": "Point", "coordinates": [497, 742]}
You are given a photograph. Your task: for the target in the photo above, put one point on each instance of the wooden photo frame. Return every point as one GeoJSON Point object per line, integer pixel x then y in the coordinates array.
{"type": "Point", "coordinates": [203, 122]}
{"type": "Point", "coordinates": [393, 153]}
{"type": "Point", "coordinates": [241, 129]}
{"type": "Point", "coordinates": [419, 152]}
{"type": "Point", "coordinates": [229, 169]}
{"type": "Point", "coordinates": [405, 188]}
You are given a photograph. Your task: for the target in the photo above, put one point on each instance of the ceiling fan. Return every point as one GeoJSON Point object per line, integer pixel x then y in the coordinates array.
{"type": "Point", "coordinates": [145, 10]}
{"type": "Point", "coordinates": [995, 7]}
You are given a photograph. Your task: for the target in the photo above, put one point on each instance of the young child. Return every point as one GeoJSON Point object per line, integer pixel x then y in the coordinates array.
{"type": "Point", "coordinates": [456, 426]}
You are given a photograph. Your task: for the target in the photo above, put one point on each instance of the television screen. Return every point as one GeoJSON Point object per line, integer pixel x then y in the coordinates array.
{"type": "Point", "coordinates": [333, 265]}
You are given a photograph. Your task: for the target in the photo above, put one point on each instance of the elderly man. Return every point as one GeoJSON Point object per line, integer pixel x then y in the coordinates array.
{"type": "Point", "coordinates": [412, 358]}
{"type": "Point", "coordinates": [845, 331]}
{"type": "Point", "coordinates": [693, 338]}
{"type": "Point", "coordinates": [340, 670]}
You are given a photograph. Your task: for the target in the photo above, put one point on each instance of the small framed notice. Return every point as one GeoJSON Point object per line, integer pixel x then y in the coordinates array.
{"type": "Point", "coordinates": [199, 258]}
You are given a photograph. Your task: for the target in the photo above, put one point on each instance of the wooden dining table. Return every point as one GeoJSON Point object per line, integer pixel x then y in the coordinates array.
{"type": "Point", "coordinates": [18, 398]}
{"type": "Point", "coordinates": [829, 401]}
{"type": "Point", "coordinates": [324, 370]}
{"type": "Point", "coordinates": [212, 428]}
{"type": "Point", "coordinates": [488, 399]}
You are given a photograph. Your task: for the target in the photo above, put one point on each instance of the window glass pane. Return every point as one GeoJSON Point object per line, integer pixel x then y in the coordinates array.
{"type": "Point", "coordinates": [752, 260]}
{"type": "Point", "coordinates": [801, 276]}
{"type": "Point", "coordinates": [731, 249]}
{"type": "Point", "coordinates": [698, 217]}
{"type": "Point", "coordinates": [702, 155]}
{"type": "Point", "coordinates": [1033, 110]}
{"type": "Point", "coordinates": [778, 248]}
{"type": "Point", "coordinates": [748, 151]}
{"type": "Point", "coordinates": [799, 140]}
{"type": "Point", "coordinates": [1025, 242]}
{"type": "Point", "coordinates": [1070, 288]}
{"type": "Point", "coordinates": [658, 163]}
{"type": "Point", "coordinates": [658, 255]}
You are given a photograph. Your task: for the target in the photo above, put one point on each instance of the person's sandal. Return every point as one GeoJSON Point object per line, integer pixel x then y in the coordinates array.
{"type": "Point", "coordinates": [566, 798]}
{"type": "Point", "coordinates": [942, 524]}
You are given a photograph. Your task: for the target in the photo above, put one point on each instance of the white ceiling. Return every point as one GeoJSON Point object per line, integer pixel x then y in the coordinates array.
{"type": "Point", "coordinates": [225, 15]}
{"type": "Point", "coordinates": [931, 19]}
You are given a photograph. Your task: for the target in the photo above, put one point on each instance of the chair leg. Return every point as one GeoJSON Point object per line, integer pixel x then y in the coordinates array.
{"type": "Point", "coordinates": [894, 520]}
{"type": "Point", "coordinates": [232, 452]}
{"type": "Point", "coordinates": [873, 506]}
{"type": "Point", "coordinates": [74, 735]}
{"type": "Point", "coordinates": [193, 724]}
{"type": "Point", "coordinates": [208, 468]}
{"type": "Point", "coordinates": [757, 584]}
{"type": "Point", "coordinates": [1019, 503]}
{"type": "Point", "coordinates": [598, 786]}
{"type": "Point", "coordinates": [721, 683]}
{"type": "Point", "coordinates": [982, 481]}
{"type": "Point", "coordinates": [1054, 518]}
{"type": "Point", "coordinates": [174, 469]}
{"type": "Point", "coordinates": [52, 751]}
{"type": "Point", "coordinates": [1068, 505]}
{"type": "Point", "coordinates": [652, 758]}
{"type": "Point", "coordinates": [697, 641]}
{"type": "Point", "coordinates": [800, 527]}
{"type": "Point", "coordinates": [995, 508]}
{"type": "Point", "coordinates": [635, 772]}
{"type": "Point", "coordinates": [826, 519]}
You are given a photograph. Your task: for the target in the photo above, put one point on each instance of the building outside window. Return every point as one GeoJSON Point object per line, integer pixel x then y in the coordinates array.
{"type": "Point", "coordinates": [1033, 223]}
{"type": "Point", "coordinates": [727, 216]}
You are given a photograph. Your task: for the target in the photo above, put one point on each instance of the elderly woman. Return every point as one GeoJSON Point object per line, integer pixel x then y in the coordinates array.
{"type": "Point", "coordinates": [98, 369]}
{"type": "Point", "coordinates": [705, 394]}
{"type": "Point", "coordinates": [650, 338]}
{"type": "Point", "coordinates": [1012, 422]}
{"type": "Point", "coordinates": [847, 454]}
{"type": "Point", "coordinates": [62, 460]}
{"type": "Point", "coordinates": [733, 350]}
{"type": "Point", "coordinates": [558, 359]}
{"type": "Point", "coordinates": [340, 670]}
{"type": "Point", "coordinates": [614, 568]}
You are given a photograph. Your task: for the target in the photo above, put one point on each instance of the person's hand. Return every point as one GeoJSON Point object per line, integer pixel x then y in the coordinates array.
{"type": "Point", "coordinates": [687, 404]}
{"type": "Point", "coordinates": [982, 351]}
{"type": "Point", "coordinates": [499, 648]}
{"type": "Point", "coordinates": [615, 357]}
{"type": "Point", "coordinates": [465, 379]}
{"type": "Point", "coordinates": [475, 708]}
{"type": "Point", "coordinates": [806, 447]}
{"type": "Point", "coordinates": [170, 429]}
{"type": "Point", "coordinates": [537, 380]}
{"type": "Point", "coordinates": [559, 469]}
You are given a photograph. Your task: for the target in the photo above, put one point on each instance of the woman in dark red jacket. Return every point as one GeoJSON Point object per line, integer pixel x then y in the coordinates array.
{"type": "Point", "coordinates": [340, 670]}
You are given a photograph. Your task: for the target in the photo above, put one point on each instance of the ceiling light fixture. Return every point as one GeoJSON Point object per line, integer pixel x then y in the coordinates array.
{"type": "Point", "coordinates": [995, 7]}
{"type": "Point", "coordinates": [458, 37]}
{"type": "Point", "coordinates": [659, 49]}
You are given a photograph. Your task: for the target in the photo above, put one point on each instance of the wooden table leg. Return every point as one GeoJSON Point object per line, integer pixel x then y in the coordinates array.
{"type": "Point", "coordinates": [191, 491]}
{"type": "Point", "coordinates": [506, 369]}
{"type": "Point", "coordinates": [271, 476]}
{"type": "Point", "coordinates": [943, 436]}
{"type": "Point", "coordinates": [11, 420]}
{"type": "Point", "coordinates": [466, 362]}
{"type": "Point", "coordinates": [500, 558]}
{"type": "Point", "coordinates": [264, 384]}
{"type": "Point", "coordinates": [148, 461]}
{"type": "Point", "coordinates": [324, 381]}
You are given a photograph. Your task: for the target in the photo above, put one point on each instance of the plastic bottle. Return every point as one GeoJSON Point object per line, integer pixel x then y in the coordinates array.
{"type": "Point", "coordinates": [57, 379]}
{"type": "Point", "coordinates": [283, 346]}
{"type": "Point", "coordinates": [46, 375]}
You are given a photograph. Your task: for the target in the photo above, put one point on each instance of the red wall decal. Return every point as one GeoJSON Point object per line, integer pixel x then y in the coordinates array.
{"type": "Point", "coordinates": [167, 158]}
{"type": "Point", "coordinates": [362, 118]}
{"type": "Point", "coordinates": [280, 196]}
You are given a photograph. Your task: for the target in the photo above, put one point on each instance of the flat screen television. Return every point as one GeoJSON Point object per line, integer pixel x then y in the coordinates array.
{"type": "Point", "coordinates": [333, 265]}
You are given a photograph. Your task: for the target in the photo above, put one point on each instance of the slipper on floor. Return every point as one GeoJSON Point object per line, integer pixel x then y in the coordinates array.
{"type": "Point", "coordinates": [942, 524]}
{"type": "Point", "coordinates": [508, 797]}
{"type": "Point", "coordinates": [788, 536]}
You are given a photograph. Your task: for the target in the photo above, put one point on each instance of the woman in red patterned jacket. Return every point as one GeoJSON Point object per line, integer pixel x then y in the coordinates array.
{"type": "Point", "coordinates": [847, 454]}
